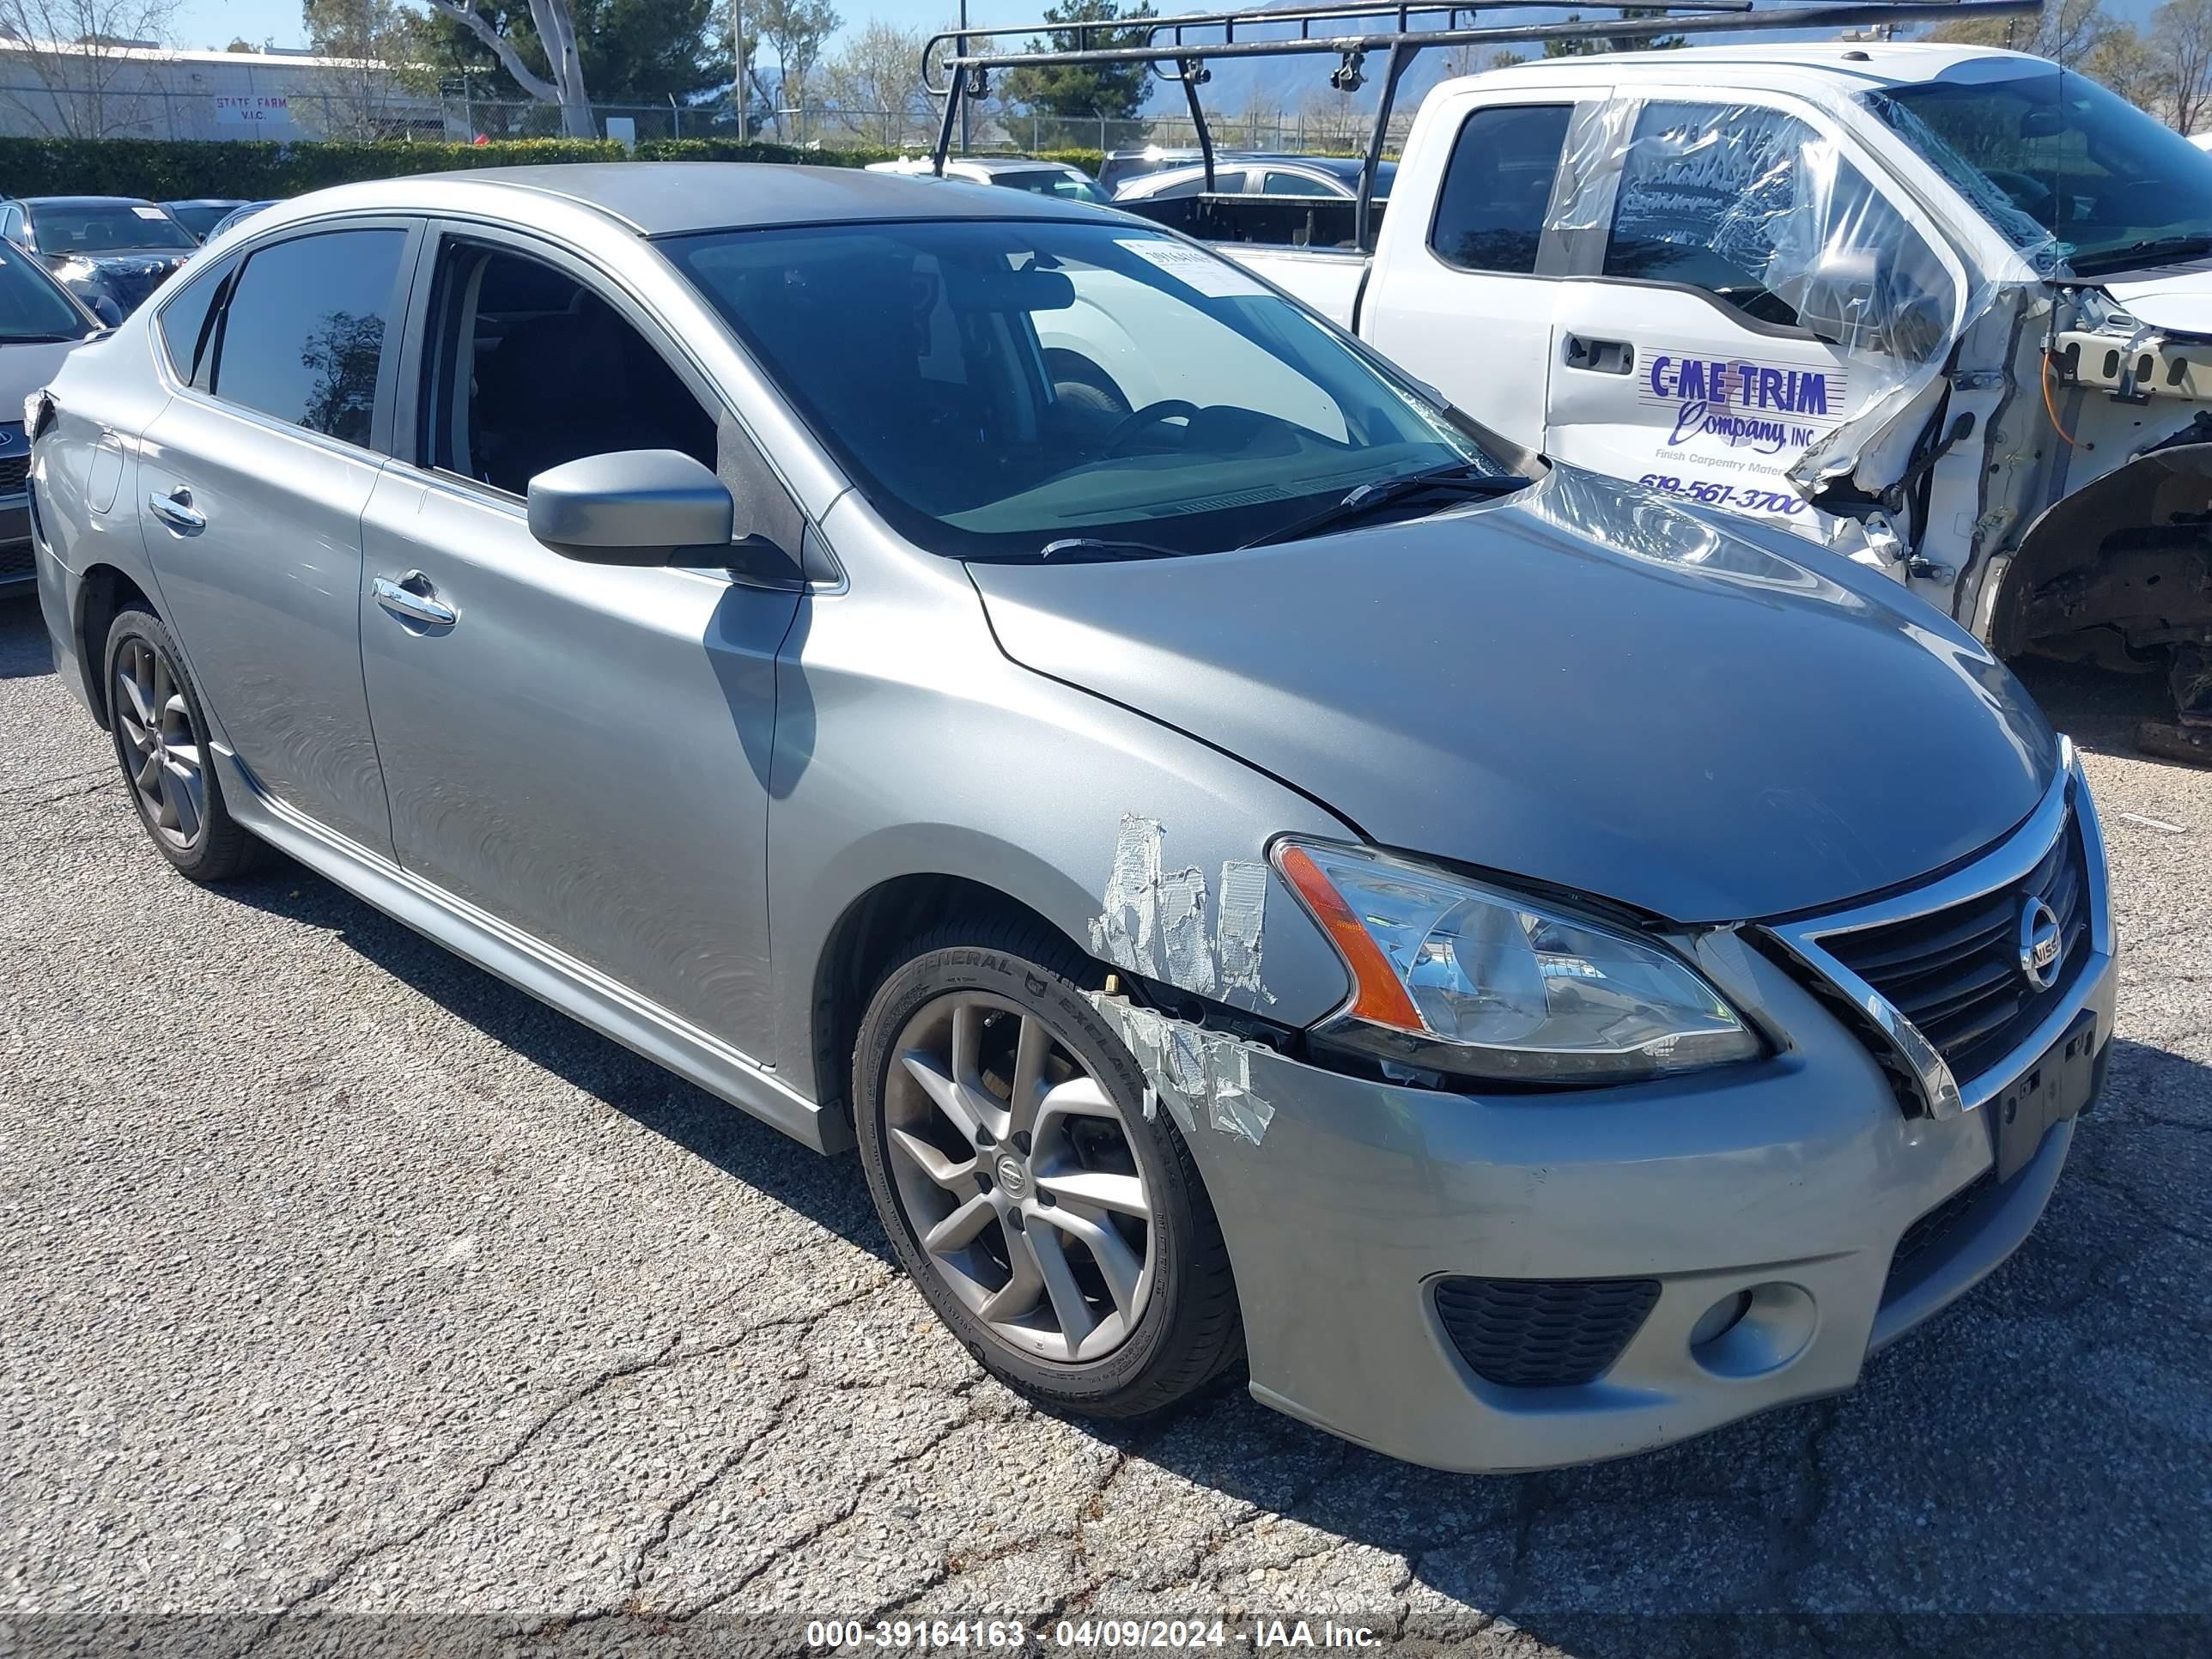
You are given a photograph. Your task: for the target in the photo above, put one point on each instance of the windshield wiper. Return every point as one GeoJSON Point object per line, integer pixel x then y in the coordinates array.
{"type": "Point", "coordinates": [1461, 477]}
{"type": "Point", "coordinates": [2135, 253]}
{"type": "Point", "coordinates": [1101, 547]}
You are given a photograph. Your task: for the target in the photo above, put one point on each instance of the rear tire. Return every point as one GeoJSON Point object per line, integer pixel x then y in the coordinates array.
{"type": "Point", "coordinates": [160, 733]}
{"type": "Point", "coordinates": [1064, 1238]}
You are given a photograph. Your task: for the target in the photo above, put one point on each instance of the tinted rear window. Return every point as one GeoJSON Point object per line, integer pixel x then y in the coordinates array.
{"type": "Point", "coordinates": [304, 330]}
{"type": "Point", "coordinates": [1490, 214]}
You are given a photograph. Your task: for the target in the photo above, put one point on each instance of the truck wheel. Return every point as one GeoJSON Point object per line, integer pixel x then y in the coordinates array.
{"type": "Point", "coordinates": [1064, 1236]}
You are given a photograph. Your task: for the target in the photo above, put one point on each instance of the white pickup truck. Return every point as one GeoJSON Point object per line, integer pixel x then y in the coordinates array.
{"type": "Point", "coordinates": [1946, 309]}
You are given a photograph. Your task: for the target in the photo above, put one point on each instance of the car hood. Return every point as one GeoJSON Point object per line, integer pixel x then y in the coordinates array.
{"type": "Point", "coordinates": [25, 368]}
{"type": "Point", "coordinates": [1582, 686]}
{"type": "Point", "coordinates": [2179, 298]}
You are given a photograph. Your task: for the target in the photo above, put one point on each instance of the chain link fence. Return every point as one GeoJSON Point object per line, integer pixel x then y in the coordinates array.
{"type": "Point", "coordinates": [371, 112]}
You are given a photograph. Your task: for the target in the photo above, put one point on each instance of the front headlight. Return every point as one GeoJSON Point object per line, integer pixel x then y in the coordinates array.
{"type": "Point", "coordinates": [1455, 976]}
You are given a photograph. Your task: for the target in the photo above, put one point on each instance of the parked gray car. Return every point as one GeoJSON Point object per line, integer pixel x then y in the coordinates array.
{"type": "Point", "coordinates": [1521, 970]}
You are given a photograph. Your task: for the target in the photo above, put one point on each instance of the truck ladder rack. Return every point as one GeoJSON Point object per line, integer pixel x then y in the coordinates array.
{"type": "Point", "coordinates": [1168, 42]}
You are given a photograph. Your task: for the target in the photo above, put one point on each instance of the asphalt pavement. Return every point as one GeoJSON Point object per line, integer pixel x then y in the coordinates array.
{"type": "Point", "coordinates": [346, 1290]}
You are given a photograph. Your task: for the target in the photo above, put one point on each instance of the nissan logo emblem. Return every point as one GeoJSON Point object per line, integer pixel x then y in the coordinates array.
{"type": "Point", "coordinates": [2041, 947]}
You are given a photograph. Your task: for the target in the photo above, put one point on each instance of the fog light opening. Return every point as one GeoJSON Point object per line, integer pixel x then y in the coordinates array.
{"type": "Point", "coordinates": [1755, 1332]}
{"type": "Point", "coordinates": [1719, 1319]}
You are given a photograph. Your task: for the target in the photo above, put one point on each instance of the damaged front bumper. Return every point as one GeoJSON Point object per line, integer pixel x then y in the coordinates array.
{"type": "Point", "coordinates": [1410, 1262]}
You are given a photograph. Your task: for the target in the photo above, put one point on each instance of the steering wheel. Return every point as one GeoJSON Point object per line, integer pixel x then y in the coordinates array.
{"type": "Point", "coordinates": [2027, 191]}
{"type": "Point", "coordinates": [1145, 418]}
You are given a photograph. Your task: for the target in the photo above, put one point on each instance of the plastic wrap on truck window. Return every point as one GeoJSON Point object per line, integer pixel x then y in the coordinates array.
{"type": "Point", "coordinates": [1756, 207]}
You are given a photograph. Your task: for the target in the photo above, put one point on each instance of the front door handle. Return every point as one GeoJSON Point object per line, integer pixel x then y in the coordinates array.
{"type": "Point", "coordinates": [413, 597]}
{"type": "Point", "coordinates": [176, 510]}
{"type": "Point", "coordinates": [1601, 357]}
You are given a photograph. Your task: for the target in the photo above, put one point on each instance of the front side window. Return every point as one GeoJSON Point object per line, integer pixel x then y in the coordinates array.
{"type": "Point", "coordinates": [1759, 211]}
{"type": "Point", "coordinates": [997, 386]}
{"type": "Point", "coordinates": [303, 331]}
{"type": "Point", "coordinates": [534, 370]}
{"type": "Point", "coordinates": [1275, 182]}
{"type": "Point", "coordinates": [1490, 214]}
{"type": "Point", "coordinates": [105, 227]}
{"type": "Point", "coordinates": [2052, 157]}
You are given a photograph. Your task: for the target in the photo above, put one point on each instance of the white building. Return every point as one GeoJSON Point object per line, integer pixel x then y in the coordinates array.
{"type": "Point", "coordinates": [138, 91]}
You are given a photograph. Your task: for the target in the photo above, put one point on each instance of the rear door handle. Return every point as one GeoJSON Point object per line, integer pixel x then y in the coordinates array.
{"type": "Point", "coordinates": [414, 597]}
{"type": "Point", "coordinates": [176, 510]}
{"type": "Point", "coordinates": [1601, 357]}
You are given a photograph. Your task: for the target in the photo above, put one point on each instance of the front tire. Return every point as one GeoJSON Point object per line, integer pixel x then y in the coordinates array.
{"type": "Point", "coordinates": [1064, 1236]}
{"type": "Point", "coordinates": [160, 733]}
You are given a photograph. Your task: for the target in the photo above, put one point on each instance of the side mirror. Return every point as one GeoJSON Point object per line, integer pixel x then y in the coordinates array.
{"type": "Point", "coordinates": [637, 507]}
{"type": "Point", "coordinates": [1838, 299]}
{"type": "Point", "coordinates": [107, 310]}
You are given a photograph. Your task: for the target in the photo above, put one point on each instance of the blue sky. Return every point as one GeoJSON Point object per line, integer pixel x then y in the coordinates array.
{"type": "Point", "coordinates": [203, 23]}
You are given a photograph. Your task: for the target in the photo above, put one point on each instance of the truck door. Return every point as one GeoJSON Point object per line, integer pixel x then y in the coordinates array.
{"type": "Point", "coordinates": [1463, 297]}
{"type": "Point", "coordinates": [1738, 288]}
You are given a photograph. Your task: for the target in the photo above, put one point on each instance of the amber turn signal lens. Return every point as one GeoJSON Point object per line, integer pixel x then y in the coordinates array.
{"type": "Point", "coordinates": [1378, 994]}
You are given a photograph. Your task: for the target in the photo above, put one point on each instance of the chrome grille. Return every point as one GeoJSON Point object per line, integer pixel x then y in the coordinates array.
{"type": "Point", "coordinates": [1955, 972]}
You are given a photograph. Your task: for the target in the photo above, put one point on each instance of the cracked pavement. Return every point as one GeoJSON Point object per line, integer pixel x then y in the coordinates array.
{"type": "Point", "coordinates": [344, 1284]}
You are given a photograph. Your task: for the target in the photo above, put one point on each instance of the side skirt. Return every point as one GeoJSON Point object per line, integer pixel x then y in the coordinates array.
{"type": "Point", "coordinates": [581, 993]}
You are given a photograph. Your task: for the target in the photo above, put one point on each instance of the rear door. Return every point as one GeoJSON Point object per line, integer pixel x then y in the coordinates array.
{"type": "Point", "coordinates": [1709, 242]}
{"type": "Point", "coordinates": [250, 490]}
{"type": "Point", "coordinates": [1464, 298]}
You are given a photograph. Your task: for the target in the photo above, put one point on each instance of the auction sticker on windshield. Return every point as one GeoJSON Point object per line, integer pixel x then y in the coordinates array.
{"type": "Point", "coordinates": [1217, 279]}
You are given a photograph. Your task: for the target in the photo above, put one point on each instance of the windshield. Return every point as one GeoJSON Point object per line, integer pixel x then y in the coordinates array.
{"type": "Point", "coordinates": [2049, 157]}
{"type": "Point", "coordinates": [995, 386]}
{"type": "Point", "coordinates": [103, 227]}
{"type": "Point", "coordinates": [1065, 183]}
{"type": "Point", "coordinates": [32, 307]}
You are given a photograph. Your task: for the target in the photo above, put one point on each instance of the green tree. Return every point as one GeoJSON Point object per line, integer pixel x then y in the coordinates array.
{"type": "Point", "coordinates": [784, 40]}
{"type": "Point", "coordinates": [517, 35]}
{"type": "Point", "coordinates": [631, 51]}
{"type": "Point", "coordinates": [1115, 90]}
{"type": "Point", "coordinates": [1591, 45]}
{"type": "Point", "coordinates": [379, 48]}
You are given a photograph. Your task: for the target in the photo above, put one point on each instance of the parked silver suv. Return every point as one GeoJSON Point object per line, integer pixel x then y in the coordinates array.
{"type": "Point", "coordinates": [1534, 971]}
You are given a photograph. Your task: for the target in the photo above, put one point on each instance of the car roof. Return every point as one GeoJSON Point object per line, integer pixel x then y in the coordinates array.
{"type": "Point", "coordinates": [85, 201]}
{"type": "Point", "coordinates": [662, 198]}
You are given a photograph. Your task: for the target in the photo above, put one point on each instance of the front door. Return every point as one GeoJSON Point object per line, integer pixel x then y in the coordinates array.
{"type": "Point", "coordinates": [1739, 289]}
{"type": "Point", "coordinates": [581, 751]}
{"type": "Point", "coordinates": [251, 487]}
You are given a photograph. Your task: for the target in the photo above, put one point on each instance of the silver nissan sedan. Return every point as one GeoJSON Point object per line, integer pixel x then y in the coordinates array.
{"type": "Point", "coordinates": [1274, 885]}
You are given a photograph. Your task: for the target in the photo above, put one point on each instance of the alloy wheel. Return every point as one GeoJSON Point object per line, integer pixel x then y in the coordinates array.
{"type": "Point", "coordinates": [1020, 1177]}
{"type": "Point", "coordinates": [161, 747]}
